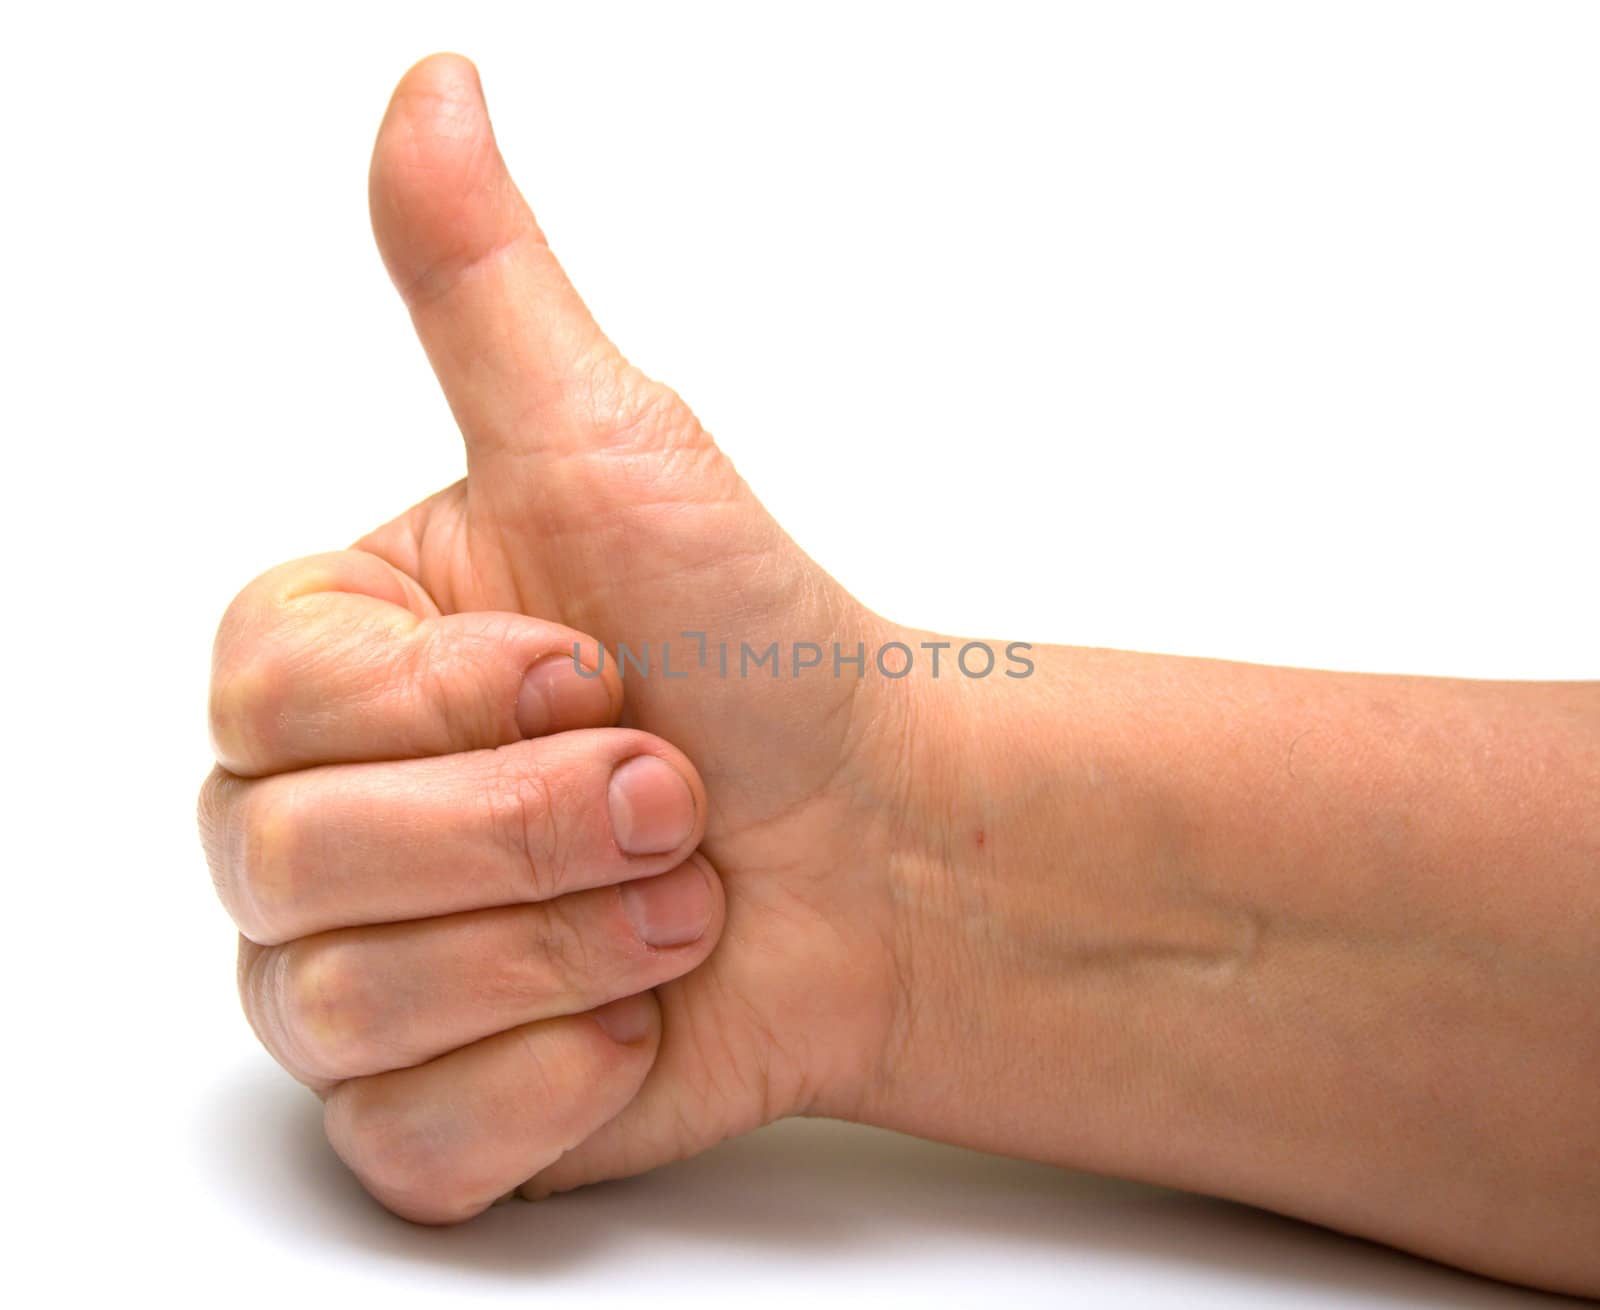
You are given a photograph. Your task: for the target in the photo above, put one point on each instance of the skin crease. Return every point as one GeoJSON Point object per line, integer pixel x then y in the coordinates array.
{"type": "Point", "coordinates": [1322, 942]}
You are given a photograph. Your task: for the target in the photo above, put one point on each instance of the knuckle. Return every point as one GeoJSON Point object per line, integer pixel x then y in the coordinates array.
{"type": "Point", "coordinates": [451, 672]}
{"type": "Point", "coordinates": [247, 836]}
{"type": "Point", "coordinates": [401, 1152]}
{"type": "Point", "coordinates": [273, 834]}
{"type": "Point", "coordinates": [549, 1083]}
{"type": "Point", "coordinates": [524, 811]}
{"type": "Point", "coordinates": [327, 1010]}
{"type": "Point", "coordinates": [575, 961]}
{"type": "Point", "coordinates": [252, 972]}
{"type": "Point", "coordinates": [247, 703]}
{"type": "Point", "coordinates": [216, 810]}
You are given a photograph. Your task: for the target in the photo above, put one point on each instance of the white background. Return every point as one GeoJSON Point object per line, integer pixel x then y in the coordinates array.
{"type": "Point", "coordinates": [1258, 330]}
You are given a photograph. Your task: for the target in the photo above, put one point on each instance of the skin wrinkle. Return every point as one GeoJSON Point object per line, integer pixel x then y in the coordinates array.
{"type": "Point", "coordinates": [1289, 759]}
{"type": "Point", "coordinates": [445, 276]}
{"type": "Point", "coordinates": [534, 825]}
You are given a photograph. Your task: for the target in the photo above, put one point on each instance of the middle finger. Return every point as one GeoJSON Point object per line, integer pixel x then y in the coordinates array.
{"type": "Point", "coordinates": [351, 844]}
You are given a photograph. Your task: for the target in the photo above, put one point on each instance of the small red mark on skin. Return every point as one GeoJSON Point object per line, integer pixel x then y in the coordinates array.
{"type": "Point", "coordinates": [980, 838]}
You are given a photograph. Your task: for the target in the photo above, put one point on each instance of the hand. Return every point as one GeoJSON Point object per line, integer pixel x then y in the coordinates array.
{"type": "Point", "coordinates": [1322, 942]}
{"type": "Point", "coordinates": [378, 861]}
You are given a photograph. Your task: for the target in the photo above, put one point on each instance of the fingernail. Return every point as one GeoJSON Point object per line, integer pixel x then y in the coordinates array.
{"type": "Point", "coordinates": [670, 910]}
{"type": "Point", "coordinates": [652, 809]}
{"type": "Point", "coordinates": [627, 1020]}
{"type": "Point", "coordinates": [555, 696]}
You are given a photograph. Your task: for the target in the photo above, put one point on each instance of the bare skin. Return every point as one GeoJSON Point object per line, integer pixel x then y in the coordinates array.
{"type": "Point", "coordinates": [1326, 943]}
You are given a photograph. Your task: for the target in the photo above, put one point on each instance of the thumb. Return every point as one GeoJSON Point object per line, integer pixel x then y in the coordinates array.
{"type": "Point", "coordinates": [514, 347]}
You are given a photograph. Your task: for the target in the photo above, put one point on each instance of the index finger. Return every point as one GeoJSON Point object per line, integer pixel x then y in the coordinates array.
{"type": "Point", "coordinates": [342, 658]}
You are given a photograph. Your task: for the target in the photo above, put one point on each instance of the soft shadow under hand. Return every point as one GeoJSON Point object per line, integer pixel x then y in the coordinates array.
{"type": "Point", "coordinates": [809, 1187]}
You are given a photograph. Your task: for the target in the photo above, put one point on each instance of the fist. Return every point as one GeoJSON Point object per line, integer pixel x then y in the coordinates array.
{"type": "Point", "coordinates": [455, 881]}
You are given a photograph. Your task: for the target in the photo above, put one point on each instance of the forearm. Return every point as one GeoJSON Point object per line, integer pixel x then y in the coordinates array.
{"type": "Point", "coordinates": [1328, 943]}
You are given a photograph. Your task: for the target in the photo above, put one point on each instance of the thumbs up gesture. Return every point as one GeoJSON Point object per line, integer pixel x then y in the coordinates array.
{"type": "Point", "coordinates": [509, 942]}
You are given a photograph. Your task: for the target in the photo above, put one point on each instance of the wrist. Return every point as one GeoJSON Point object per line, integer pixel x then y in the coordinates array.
{"type": "Point", "coordinates": [970, 870]}
{"type": "Point", "coordinates": [1044, 900]}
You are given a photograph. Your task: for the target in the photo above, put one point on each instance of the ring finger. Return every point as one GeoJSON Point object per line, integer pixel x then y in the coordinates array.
{"type": "Point", "coordinates": [360, 1001]}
